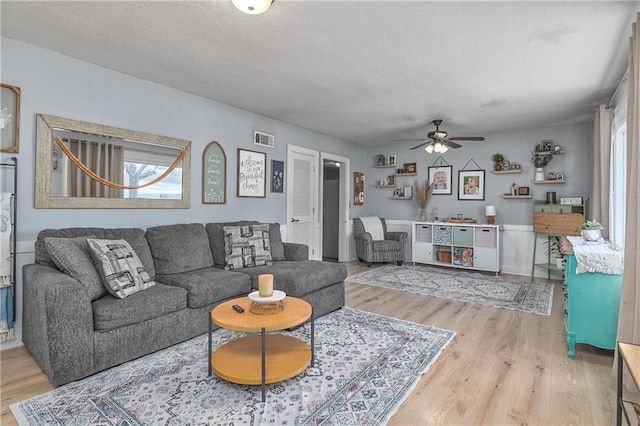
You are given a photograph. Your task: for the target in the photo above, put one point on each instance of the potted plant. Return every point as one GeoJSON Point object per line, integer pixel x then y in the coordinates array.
{"type": "Point", "coordinates": [423, 193]}
{"type": "Point", "coordinates": [554, 245]}
{"type": "Point", "coordinates": [497, 159]}
{"type": "Point", "coordinates": [540, 161]}
{"type": "Point", "coordinates": [591, 230]}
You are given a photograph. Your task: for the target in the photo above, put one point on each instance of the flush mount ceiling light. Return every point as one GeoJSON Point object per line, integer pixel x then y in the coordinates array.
{"type": "Point", "coordinates": [252, 7]}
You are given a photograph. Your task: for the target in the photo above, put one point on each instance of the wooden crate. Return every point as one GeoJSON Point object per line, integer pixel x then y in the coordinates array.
{"type": "Point", "coordinates": [557, 223]}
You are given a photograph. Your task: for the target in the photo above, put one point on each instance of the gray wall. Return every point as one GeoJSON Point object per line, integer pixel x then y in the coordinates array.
{"type": "Point", "coordinates": [515, 146]}
{"type": "Point", "coordinates": [58, 85]}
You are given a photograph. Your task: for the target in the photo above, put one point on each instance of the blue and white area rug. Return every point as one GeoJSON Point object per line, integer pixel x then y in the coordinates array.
{"type": "Point", "coordinates": [366, 365]}
{"type": "Point", "coordinates": [520, 295]}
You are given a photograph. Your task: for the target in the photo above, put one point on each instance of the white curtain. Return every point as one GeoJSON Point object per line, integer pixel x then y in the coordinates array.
{"type": "Point", "coordinates": [629, 317]}
{"type": "Point", "coordinates": [601, 166]}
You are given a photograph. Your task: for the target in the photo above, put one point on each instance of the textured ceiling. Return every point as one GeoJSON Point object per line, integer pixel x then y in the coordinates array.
{"type": "Point", "coordinates": [367, 72]}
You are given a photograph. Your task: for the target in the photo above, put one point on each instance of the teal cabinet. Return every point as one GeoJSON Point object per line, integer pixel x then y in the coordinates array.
{"type": "Point", "coordinates": [591, 304]}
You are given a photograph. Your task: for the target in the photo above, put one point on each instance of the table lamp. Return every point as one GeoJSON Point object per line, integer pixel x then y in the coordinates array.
{"type": "Point", "coordinates": [490, 213]}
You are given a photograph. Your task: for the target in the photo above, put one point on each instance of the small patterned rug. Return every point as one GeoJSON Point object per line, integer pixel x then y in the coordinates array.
{"type": "Point", "coordinates": [520, 295]}
{"type": "Point", "coordinates": [366, 365]}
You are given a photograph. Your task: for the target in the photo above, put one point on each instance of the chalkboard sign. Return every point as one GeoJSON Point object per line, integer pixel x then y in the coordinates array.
{"type": "Point", "coordinates": [252, 173]}
{"type": "Point", "coordinates": [214, 174]}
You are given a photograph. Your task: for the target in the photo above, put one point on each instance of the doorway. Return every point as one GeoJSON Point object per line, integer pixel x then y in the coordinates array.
{"type": "Point", "coordinates": [334, 207]}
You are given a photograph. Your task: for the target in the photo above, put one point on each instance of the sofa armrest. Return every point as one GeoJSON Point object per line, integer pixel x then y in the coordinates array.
{"type": "Point", "coordinates": [295, 251]}
{"type": "Point", "coordinates": [57, 323]}
{"type": "Point", "coordinates": [396, 236]}
{"type": "Point", "coordinates": [365, 236]}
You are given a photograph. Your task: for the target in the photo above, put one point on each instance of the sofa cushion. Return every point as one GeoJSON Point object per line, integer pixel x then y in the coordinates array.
{"type": "Point", "coordinates": [120, 267]}
{"type": "Point", "coordinates": [300, 277]}
{"type": "Point", "coordinates": [110, 313]}
{"type": "Point", "coordinates": [209, 285]}
{"type": "Point", "coordinates": [216, 240]}
{"type": "Point", "coordinates": [42, 255]}
{"type": "Point", "coordinates": [179, 248]}
{"type": "Point", "coordinates": [72, 256]}
{"type": "Point", "coordinates": [246, 246]}
{"type": "Point", "coordinates": [135, 237]}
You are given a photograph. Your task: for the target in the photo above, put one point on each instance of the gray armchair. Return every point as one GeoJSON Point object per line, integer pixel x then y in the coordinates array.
{"type": "Point", "coordinates": [389, 249]}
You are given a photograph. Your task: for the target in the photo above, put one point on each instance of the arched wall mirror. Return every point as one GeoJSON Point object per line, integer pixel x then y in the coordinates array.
{"type": "Point", "coordinates": [130, 169]}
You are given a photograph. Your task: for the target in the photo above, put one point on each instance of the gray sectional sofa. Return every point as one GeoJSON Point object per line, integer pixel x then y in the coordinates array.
{"type": "Point", "coordinates": [73, 327]}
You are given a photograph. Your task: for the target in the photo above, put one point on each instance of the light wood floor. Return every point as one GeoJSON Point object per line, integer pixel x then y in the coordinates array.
{"type": "Point", "coordinates": [503, 367]}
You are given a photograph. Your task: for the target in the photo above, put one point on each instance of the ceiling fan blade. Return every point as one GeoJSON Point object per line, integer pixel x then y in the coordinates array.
{"type": "Point", "coordinates": [467, 138]}
{"type": "Point", "coordinates": [451, 144]}
{"type": "Point", "coordinates": [422, 144]}
{"type": "Point", "coordinates": [412, 139]}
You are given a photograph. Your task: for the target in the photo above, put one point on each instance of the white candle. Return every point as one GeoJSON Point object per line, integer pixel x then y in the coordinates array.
{"type": "Point", "coordinates": [265, 285]}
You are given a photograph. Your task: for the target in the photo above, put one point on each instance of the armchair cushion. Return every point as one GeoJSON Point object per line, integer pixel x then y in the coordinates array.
{"type": "Point", "coordinates": [387, 245]}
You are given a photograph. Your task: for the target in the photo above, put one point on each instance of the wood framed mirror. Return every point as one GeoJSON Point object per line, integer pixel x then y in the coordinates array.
{"type": "Point", "coordinates": [128, 160]}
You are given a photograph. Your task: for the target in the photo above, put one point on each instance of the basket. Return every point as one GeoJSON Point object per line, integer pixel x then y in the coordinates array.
{"type": "Point", "coordinates": [444, 256]}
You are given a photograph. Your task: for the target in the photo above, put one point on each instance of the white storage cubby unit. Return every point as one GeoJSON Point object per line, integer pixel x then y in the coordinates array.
{"type": "Point", "coordinates": [458, 245]}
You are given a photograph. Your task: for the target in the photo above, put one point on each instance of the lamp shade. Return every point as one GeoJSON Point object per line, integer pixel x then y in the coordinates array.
{"type": "Point", "coordinates": [429, 148]}
{"type": "Point", "coordinates": [252, 7]}
{"type": "Point", "coordinates": [490, 211]}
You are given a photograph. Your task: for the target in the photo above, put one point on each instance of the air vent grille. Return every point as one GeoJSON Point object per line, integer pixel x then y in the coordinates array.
{"type": "Point", "coordinates": [264, 139]}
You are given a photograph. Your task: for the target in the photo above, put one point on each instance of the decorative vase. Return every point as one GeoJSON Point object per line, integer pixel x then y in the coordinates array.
{"type": "Point", "coordinates": [591, 234]}
{"type": "Point", "coordinates": [423, 215]}
{"type": "Point", "coordinates": [539, 173]}
{"type": "Point", "coordinates": [497, 167]}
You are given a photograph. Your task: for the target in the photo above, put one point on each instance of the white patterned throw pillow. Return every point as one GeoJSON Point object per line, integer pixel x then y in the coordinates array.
{"type": "Point", "coordinates": [246, 246]}
{"type": "Point", "coordinates": [119, 266]}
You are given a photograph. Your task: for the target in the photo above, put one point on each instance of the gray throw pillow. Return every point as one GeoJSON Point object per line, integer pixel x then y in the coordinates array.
{"type": "Point", "coordinates": [121, 268]}
{"type": "Point", "coordinates": [72, 256]}
{"type": "Point", "coordinates": [247, 246]}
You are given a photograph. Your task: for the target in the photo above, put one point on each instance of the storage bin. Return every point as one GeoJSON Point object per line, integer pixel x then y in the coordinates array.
{"type": "Point", "coordinates": [423, 233]}
{"type": "Point", "coordinates": [463, 235]}
{"type": "Point", "coordinates": [442, 235]}
{"type": "Point", "coordinates": [463, 256]}
{"type": "Point", "coordinates": [444, 256]}
{"type": "Point", "coordinates": [486, 237]}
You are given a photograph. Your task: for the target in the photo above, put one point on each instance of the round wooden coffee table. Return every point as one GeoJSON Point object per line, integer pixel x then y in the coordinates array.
{"type": "Point", "coordinates": [263, 358]}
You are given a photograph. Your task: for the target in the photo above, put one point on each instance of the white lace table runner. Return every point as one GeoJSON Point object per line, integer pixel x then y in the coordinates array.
{"type": "Point", "coordinates": [596, 256]}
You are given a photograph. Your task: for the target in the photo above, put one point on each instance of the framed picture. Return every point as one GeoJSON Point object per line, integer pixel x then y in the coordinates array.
{"type": "Point", "coordinates": [252, 173]}
{"type": "Point", "coordinates": [391, 180]}
{"type": "Point", "coordinates": [407, 191]}
{"type": "Point", "coordinates": [547, 145]}
{"type": "Point", "coordinates": [523, 190]}
{"type": "Point", "coordinates": [214, 174]}
{"type": "Point", "coordinates": [358, 188]}
{"type": "Point", "coordinates": [559, 176]}
{"type": "Point", "coordinates": [9, 118]}
{"type": "Point", "coordinates": [471, 185]}
{"type": "Point", "coordinates": [391, 160]}
{"type": "Point", "coordinates": [409, 168]}
{"type": "Point", "coordinates": [277, 176]}
{"type": "Point", "coordinates": [441, 178]}
{"type": "Point", "coordinates": [397, 192]}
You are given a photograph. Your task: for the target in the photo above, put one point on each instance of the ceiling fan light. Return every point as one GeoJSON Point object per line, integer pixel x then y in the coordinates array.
{"type": "Point", "coordinates": [252, 7]}
{"type": "Point", "coordinates": [429, 148]}
{"type": "Point", "coordinates": [443, 149]}
{"type": "Point", "coordinates": [440, 135]}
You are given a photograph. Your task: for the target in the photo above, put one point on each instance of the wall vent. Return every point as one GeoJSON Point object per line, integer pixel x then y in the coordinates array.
{"type": "Point", "coordinates": [264, 139]}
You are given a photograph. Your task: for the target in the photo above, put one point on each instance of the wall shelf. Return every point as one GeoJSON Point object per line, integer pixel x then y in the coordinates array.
{"type": "Point", "coordinates": [557, 181]}
{"type": "Point", "coordinates": [515, 197]}
{"type": "Point", "coordinates": [406, 174]}
{"type": "Point", "coordinates": [385, 186]}
{"type": "Point", "coordinates": [386, 166]}
{"type": "Point", "coordinates": [401, 198]}
{"type": "Point", "coordinates": [506, 172]}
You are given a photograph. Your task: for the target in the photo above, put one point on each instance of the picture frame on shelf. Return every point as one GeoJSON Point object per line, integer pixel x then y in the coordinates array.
{"type": "Point", "coordinates": [397, 191]}
{"type": "Point", "coordinates": [391, 180]}
{"type": "Point", "coordinates": [409, 168]}
{"type": "Point", "coordinates": [471, 184]}
{"type": "Point", "coordinates": [547, 145]}
{"type": "Point", "coordinates": [407, 191]}
{"type": "Point", "coordinates": [523, 190]}
{"type": "Point", "coordinates": [391, 160]}
{"type": "Point", "coordinates": [441, 177]}
{"type": "Point", "coordinates": [559, 176]}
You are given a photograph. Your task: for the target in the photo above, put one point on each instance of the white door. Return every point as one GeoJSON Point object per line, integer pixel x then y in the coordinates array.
{"type": "Point", "coordinates": [302, 198]}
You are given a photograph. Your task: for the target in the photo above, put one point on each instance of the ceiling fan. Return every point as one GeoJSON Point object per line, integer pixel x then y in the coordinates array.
{"type": "Point", "coordinates": [438, 140]}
